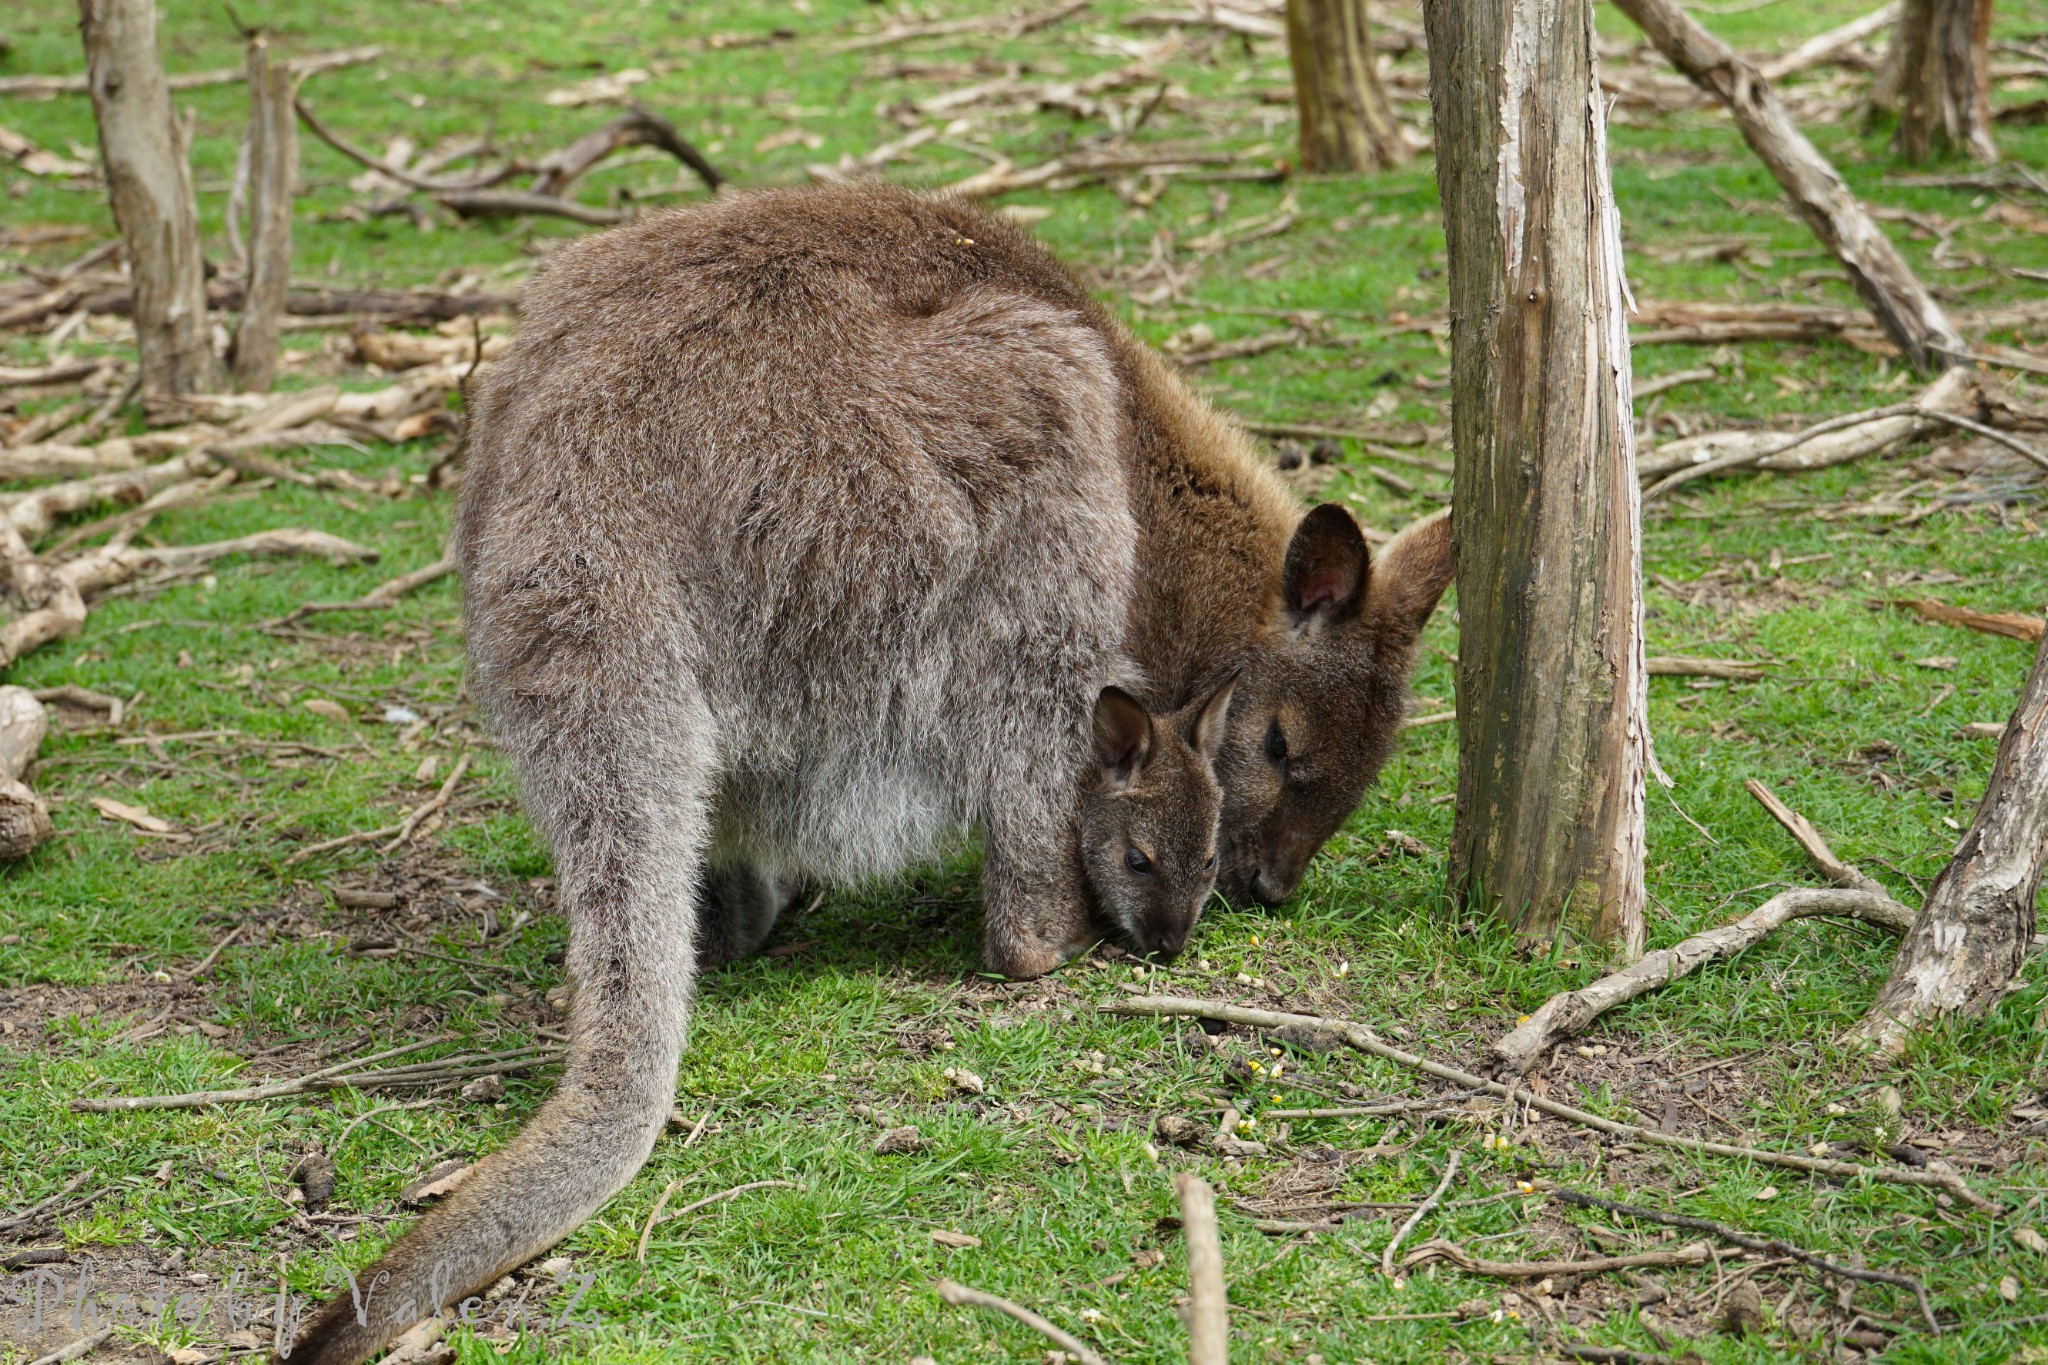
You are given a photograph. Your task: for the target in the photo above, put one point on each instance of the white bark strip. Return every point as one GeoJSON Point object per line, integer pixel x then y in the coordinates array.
{"type": "Point", "coordinates": [1978, 921]}
{"type": "Point", "coordinates": [1903, 307]}
{"type": "Point", "coordinates": [151, 188]}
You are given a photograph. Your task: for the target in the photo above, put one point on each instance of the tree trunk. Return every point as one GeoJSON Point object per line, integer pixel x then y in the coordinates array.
{"type": "Point", "coordinates": [1978, 921]}
{"type": "Point", "coordinates": [1552, 685]}
{"type": "Point", "coordinates": [1944, 54]}
{"type": "Point", "coordinates": [151, 188]}
{"type": "Point", "coordinates": [1903, 307]}
{"type": "Point", "coordinates": [273, 179]}
{"type": "Point", "coordinates": [1347, 121]}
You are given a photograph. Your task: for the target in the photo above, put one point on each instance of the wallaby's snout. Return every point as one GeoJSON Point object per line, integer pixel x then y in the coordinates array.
{"type": "Point", "coordinates": [1149, 827]}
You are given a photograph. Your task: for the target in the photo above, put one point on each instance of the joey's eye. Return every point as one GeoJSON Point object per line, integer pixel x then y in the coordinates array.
{"type": "Point", "coordinates": [1210, 866]}
{"type": "Point", "coordinates": [1137, 862]}
{"type": "Point", "coordinates": [1276, 743]}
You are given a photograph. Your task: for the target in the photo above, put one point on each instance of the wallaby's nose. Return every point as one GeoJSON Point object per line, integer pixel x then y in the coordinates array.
{"type": "Point", "coordinates": [1265, 889]}
{"type": "Point", "coordinates": [1168, 943]}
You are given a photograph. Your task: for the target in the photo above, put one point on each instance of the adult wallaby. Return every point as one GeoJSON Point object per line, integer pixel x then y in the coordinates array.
{"type": "Point", "coordinates": [800, 529]}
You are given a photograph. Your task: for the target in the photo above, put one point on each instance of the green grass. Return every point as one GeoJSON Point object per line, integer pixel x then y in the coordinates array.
{"type": "Point", "coordinates": [799, 1060]}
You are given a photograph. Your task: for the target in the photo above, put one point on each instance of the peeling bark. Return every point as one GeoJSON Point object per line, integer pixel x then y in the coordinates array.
{"type": "Point", "coordinates": [1347, 121]}
{"type": "Point", "coordinates": [1944, 80]}
{"type": "Point", "coordinates": [1903, 307]}
{"type": "Point", "coordinates": [1552, 684]}
{"type": "Point", "coordinates": [1978, 921]}
{"type": "Point", "coordinates": [150, 185]}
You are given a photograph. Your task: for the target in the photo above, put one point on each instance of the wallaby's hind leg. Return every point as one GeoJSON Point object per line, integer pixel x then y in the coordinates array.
{"type": "Point", "coordinates": [737, 906]}
{"type": "Point", "coordinates": [620, 785]}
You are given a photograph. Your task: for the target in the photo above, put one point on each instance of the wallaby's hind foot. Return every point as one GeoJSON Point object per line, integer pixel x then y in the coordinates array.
{"type": "Point", "coordinates": [737, 906]}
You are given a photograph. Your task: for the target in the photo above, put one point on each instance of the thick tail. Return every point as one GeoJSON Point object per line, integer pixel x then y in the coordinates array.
{"type": "Point", "coordinates": [619, 787]}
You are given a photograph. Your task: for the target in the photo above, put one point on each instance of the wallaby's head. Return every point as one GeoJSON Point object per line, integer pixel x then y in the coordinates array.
{"type": "Point", "coordinates": [1319, 705]}
{"type": "Point", "coordinates": [1148, 821]}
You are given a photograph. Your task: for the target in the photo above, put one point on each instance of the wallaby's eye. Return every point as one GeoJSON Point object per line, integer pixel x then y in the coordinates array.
{"type": "Point", "coordinates": [1210, 866]}
{"type": "Point", "coordinates": [1276, 744]}
{"type": "Point", "coordinates": [1137, 862]}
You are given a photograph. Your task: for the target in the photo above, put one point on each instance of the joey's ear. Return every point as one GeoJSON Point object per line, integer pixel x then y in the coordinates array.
{"type": "Point", "coordinates": [1326, 567]}
{"type": "Point", "coordinates": [1123, 734]}
{"type": "Point", "coordinates": [1214, 717]}
{"type": "Point", "coordinates": [1411, 574]}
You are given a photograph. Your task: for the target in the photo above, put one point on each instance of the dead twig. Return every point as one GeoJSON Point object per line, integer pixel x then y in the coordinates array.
{"type": "Point", "coordinates": [1694, 1254]}
{"type": "Point", "coordinates": [488, 1064]}
{"type": "Point", "coordinates": [1363, 1039]}
{"type": "Point", "coordinates": [719, 1198]}
{"type": "Point", "coordinates": [960, 1296]}
{"type": "Point", "coordinates": [1571, 1012]}
{"type": "Point", "coordinates": [383, 595]}
{"type": "Point", "coordinates": [2012, 624]}
{"type": "Point", "coordinates": [1769, 1246]}
{"type": "Point", "coordinates": [1685, 666]}
{"type": "Point", "coordinates": [206, 963]}
{"type": "Point", "coordinates": [399, 833]}
{"type": "Point", "coordinates": [1842, 874]}
{"type": "Point", "coordinates": [1421, 1211]}
{"type": "Point", "coordinates": [1208, 1300]}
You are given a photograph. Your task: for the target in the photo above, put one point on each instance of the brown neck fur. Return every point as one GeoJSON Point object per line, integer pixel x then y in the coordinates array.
{"type": "Point", "coordinates": [1196, 483]}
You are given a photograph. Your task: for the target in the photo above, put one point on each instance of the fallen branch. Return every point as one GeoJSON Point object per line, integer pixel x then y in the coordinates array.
{"type": "Point", "coordinates": [1828, 47]}
{"type": "Point", "coordinates": [641, 127]}
{"type": "Point", "coordinates": [1208, 1301]}
{"type": "Point", "coordinates": [2006, 439]}
{"type": "Point", "coordinates": [1903, 307]}
{"type": "Point", "coordinates": [2012, 624]}
{"type": "Point", "coordinates": [1845, 875]}
{"type": "Point", "coordinates": [514, 203]}
{"type": "Point", "coordinates": [1421, 1211]}
{"type": "Point", "coordinates": [1571, 1012]}
{"type": "Point", "coordinates": [24, 819]}
{"type": "Point", "coordinates": [1363, 1039]}
{"type": "Point", "coordinates": [343, 1076]}
{"type": "Point", "coordinates": [1664, 383]}
{"type": "Point", "coordinates": [43, 87]}
{"type": "Point", "coordinates": [73, 1350]}
{"type": "Point", "coordinates": [706, 1202]}
{"type": "Point", "coordinates": [383, 595]}
{"type": "Point", "coordinates": [1769, 1246]}
{"type": "Point", "coordinates": [1686, 666]}
{"type": "Point", "coordinates": [428, 183]}
{"type": "Point", "coordinates": [399, 833]}
{"type": "Point", "coordinates": [960, 1296]}
{"type": "Point", "coordinates": [1838, 440]}
{"type": "Point", "coordinates": [1694, 1254]}
{"type": "Point", "coordinates": [58, 595]}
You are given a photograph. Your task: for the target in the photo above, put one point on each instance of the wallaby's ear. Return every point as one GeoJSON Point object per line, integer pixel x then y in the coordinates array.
{"type": "Point", "coordinates": [1123, 734]}
{"type": "Point", "coordinates": [1214, 717]}
{"type": "Point", "coordinates": [1326, 567]}
{"type": "Point", "coordinates": [1411, 574]}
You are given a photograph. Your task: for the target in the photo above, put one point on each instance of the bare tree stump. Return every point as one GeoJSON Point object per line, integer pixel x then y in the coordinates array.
{"type": "Point", "coordinates": [150, 185]}
{"type": "Point", "coordinates": [24, 820]}
{"type": "Point", "coordinates": [1977, 923]}
{"type": "Point", "coordinates": [1552, 683]}
{"type": "Point", "coordinates": [1347, 121]}
{"type": "Point", "coordinates": [273, 181]}
{"type": "Point", "coordinates": [1944, 80]}
{"type": "Point", "coordinates": [1903, 307]}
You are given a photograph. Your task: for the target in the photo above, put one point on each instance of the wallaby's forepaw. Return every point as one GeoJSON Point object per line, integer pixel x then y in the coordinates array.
{"type": "Point", "coordinates": [1021, 959]}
